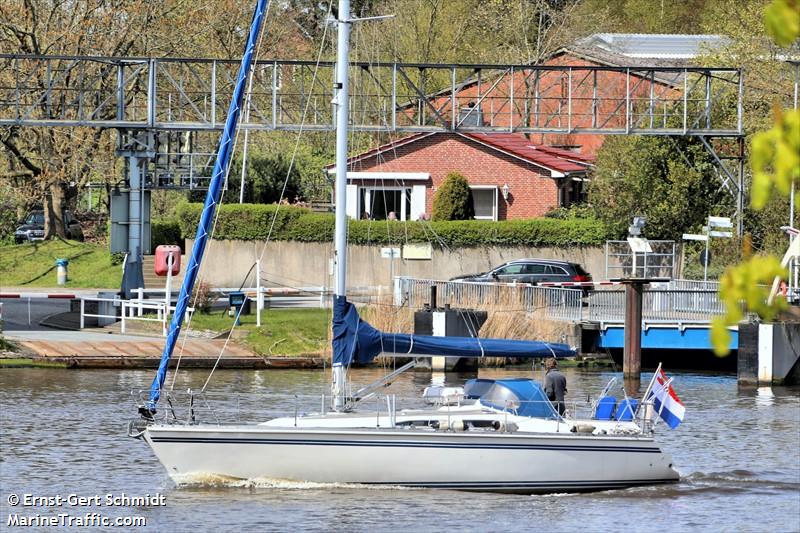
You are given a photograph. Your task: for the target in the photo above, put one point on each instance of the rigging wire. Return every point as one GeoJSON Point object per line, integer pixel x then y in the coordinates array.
{"type": "Point", "coordinates": [285, 184]}
{"type": "Point", "coordinates": [217, 213]}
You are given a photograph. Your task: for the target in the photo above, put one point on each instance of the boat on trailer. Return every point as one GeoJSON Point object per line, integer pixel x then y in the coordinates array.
{"type": "Point", "coordinates": [498, 435]}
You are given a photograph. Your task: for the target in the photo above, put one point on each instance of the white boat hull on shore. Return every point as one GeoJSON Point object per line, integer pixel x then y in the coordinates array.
{"type": "Point", "coordinates": [483, 461]}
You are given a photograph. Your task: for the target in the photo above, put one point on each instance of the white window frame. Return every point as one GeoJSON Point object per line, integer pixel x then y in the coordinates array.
{"type": "Point", "coordinates": [494, 188]}
{"type": "Point", "coordinates": [411, 181]}
{"type": "Point", "coordinates": [369, 190]}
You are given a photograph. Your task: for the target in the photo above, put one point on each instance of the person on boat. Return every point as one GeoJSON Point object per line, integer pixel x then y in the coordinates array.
{"type": "Point", "coordinates": [555, 384]}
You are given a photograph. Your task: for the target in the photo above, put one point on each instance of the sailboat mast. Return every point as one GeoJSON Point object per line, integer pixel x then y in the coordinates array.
{"type": "Point", "coordinates": [213, 195]}
{"type": "Point", "coordinates": [341, 101]}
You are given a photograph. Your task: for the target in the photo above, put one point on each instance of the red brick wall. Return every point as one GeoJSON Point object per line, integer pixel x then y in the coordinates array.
{"type": "Point", "coordinates": [532, 191]}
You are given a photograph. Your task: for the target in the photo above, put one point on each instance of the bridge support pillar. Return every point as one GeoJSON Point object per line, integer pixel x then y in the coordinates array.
{"type": "Point", "coordinates": [768, 354]}
{"type": "Point", "coordinates": [133, 277]}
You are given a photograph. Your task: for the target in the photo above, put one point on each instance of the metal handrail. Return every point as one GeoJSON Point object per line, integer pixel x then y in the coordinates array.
{"type": "Point", "coordinates": [195, 407]}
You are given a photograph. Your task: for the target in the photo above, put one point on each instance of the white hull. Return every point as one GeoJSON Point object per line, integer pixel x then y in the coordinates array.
{"type": "Point", "coordinates": [484, 461]}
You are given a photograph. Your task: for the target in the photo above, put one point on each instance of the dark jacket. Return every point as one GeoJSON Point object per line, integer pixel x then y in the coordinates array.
{"type": "Point", "coordinates": [555, 385]}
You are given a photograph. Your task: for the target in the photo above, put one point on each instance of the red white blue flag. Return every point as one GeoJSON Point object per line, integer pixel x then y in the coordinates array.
{"type": "Point", "coordinates": [665, 402]}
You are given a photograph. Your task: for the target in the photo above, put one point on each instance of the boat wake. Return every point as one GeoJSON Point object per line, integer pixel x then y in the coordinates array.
{"type": "Point", "coordinates": [209, 480]}
{"type": "Point", "coordinates": [740, 477]}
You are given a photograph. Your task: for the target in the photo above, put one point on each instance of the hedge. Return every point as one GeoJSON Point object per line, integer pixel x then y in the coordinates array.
{"type": "Point", "coordinates": [252, 222]}
{"type": "Point", "coordinates": [165, 231]}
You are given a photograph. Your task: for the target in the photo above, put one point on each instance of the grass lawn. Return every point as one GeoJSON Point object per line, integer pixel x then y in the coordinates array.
{"type": "Point", "coordinates": [282, 331]}
{"type": "Point", "coordinates": [90, 266]}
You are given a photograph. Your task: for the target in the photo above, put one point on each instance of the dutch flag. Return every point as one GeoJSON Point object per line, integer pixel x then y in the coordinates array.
{"type": "Point", "coordinates": [666, 403]}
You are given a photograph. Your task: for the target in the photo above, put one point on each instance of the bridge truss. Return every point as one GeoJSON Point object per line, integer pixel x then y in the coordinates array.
{"type": "Point", "coordinates": [193, 94]}
{"type": "Point", "coordinates": [161, 107]}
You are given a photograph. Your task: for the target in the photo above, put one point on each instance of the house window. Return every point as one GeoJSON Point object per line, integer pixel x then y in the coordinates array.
{"type": "Point", "coordinates": [484, 201]}
{"type": "Point", "coordinates": [366, 196]}
{"type": "Point", "coordinates": [376, 203]}
{"type": "Point", "coordinates": [572, 192]}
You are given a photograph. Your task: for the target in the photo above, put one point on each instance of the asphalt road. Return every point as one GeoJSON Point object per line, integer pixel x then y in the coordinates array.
{"type": "Point", "coordinates": [25, 315]}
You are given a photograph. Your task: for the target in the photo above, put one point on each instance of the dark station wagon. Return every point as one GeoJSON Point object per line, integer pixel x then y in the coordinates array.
{"type": "Point", "coordinates": [533, 271]}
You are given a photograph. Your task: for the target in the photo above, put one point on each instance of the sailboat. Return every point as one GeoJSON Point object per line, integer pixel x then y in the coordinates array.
{"type": "Point", "coordinates": [494, 435]}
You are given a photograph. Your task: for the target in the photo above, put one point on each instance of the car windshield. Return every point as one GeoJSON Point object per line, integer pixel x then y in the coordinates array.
{"type": "Point", "coordinates": [35, 219]}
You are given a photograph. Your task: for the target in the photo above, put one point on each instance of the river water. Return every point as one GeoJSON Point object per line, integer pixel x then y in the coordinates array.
{"type": "Point", "coordinates": [62, 432]}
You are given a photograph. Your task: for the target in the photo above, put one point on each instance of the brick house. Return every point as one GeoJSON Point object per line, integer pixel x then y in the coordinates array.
{"type": "Point", "coordinates": [513, 176]}
{"type": "Point", "coordinates": [509, 177]}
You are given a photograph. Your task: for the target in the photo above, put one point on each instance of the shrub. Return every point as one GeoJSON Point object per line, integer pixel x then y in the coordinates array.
{"type": "Point", "coordinates": [117, 258]}
{"type": "Point", "coordinates": [240, 221]}
{"type": "Point", "coordinates": [453, 200]}
{"type": "Point", "coordinates": [202, 298]}
{"type": "Point", "coordinates": [8, 223]}
{"type": "Point", "coordinates": [251, 222]}
{"type": "Point", "coordinates": [166, 231]}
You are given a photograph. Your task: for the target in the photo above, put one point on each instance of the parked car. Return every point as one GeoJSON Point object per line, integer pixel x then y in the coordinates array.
{"type": "Point", "coordinates": [532, 271]}
{"type": "Point", "coordinates": [32, 228]}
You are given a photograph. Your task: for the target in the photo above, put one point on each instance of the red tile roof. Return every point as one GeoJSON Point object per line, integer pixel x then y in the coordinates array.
{"type": "Point", "coordinates": [549, 157]}
{"type": "Point", "coordinates": [514, 144]}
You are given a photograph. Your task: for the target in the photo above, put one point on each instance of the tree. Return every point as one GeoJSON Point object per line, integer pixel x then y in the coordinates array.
{"type": "Point", "coordinates": [48, 165]}
{"type": "Point", "coordinates": [670, 180]}
{"type": "Point", "coordinates": [266, 176]}
{"type": "Point", "coordinates": [453, 200]}
{"type": "Point", "coordinates": [776, 165]}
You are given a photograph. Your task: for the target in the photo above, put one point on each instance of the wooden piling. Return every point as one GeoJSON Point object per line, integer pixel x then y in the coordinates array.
{"type": "Point", "coordinates": [632, 354]}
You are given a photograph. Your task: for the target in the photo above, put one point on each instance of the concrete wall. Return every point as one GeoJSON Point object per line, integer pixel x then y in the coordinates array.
{"type": "Point", "coordinates": [297, 264]}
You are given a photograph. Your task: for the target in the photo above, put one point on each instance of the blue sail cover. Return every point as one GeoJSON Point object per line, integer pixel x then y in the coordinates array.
{"type": "Point", "coordinates": [354, 339]}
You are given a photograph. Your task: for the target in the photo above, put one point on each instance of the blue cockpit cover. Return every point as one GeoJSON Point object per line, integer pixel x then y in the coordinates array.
{"type": "Point", "coordinates": [524, 397]}
{"type": "Point", "coordinates": [355, 340]}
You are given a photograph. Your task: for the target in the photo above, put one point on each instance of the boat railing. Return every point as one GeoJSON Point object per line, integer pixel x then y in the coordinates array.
{"type": "Point", "coordinates": [218, 408]}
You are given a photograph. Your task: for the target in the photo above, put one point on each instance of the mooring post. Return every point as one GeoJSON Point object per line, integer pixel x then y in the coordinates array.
{"type": "Point", "coordinates": [632, 350]}
{"type": "Point", "coordinates": [632, 354]}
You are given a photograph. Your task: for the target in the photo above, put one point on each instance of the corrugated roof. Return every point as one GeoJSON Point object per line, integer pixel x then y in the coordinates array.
{"type": "Point", "coordinates": [657, 45]}
{"type": "Point", "coordinates": [514, 144]}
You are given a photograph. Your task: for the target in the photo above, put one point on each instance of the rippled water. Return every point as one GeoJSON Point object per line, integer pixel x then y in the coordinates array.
{"type": "Point", "coordinates": [62, 432]}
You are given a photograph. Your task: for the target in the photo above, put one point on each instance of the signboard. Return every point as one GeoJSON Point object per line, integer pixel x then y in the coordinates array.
{"type": "Point", "coordinates": [390, 253]}
{"type": "Point", "coordinates": [417, 251]}
{"type": "Point", "coordinates": [639, 245]}
{"type": "Point", "coordinates": [694, 237]}
{"type": "Point", "coordinates": [726, 234]}
{"type": "Point", "coordinates": [720, 222]}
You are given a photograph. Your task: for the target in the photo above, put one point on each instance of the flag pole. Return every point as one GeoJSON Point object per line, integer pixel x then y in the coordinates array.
{"type": "Point", "coordinates": [649, 387]}
{"type": "Point", "coordinates": [666, 386]}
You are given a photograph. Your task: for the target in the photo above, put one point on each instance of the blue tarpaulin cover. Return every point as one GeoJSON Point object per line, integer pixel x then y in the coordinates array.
{"type": "Point", "coordinates": [522, 396]}
{"type": "Point", "coordinates": [354, 339]}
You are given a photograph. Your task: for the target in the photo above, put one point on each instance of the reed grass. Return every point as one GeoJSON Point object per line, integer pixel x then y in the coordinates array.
{"type": "Point", "coordinates": [507, 318]}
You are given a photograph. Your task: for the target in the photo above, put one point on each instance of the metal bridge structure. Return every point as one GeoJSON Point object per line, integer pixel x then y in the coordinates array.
{"type": "Point", "coordinates": [162, 107]}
